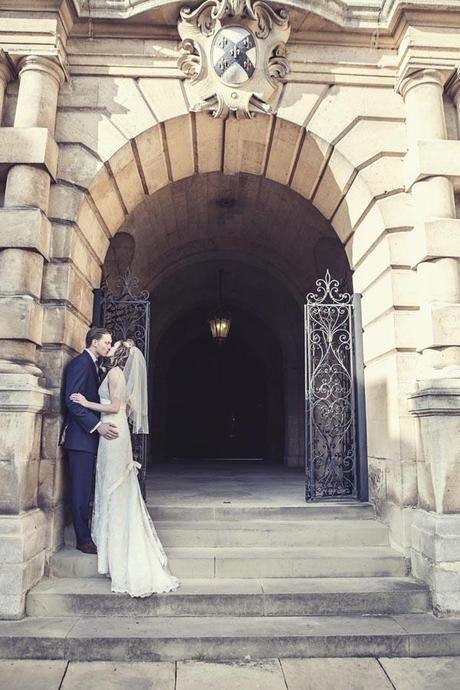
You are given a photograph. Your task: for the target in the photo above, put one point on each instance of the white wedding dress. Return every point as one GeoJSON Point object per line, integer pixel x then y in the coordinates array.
{"type": "Point", "coordinates": [128, 548]}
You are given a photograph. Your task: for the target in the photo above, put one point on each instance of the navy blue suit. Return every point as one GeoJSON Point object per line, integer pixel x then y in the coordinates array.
{"type": "Point", "coordinates": [81, 377]}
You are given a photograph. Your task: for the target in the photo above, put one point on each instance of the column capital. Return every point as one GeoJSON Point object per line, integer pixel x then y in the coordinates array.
{"type": "Point", "coordinates": [40, 63]}
{"type": "Point", "coordinates": [7, 72]}
{"type": "Point", "coordinates": [414, 77]}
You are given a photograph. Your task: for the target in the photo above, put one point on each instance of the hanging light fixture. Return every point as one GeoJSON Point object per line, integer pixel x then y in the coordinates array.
{"type": "Point", "coordinates": [220, 319]}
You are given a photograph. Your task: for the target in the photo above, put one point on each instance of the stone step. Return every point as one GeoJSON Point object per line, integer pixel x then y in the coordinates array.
{"type": "Point", "coordinates": [92, 638]}
{"type": "Point", "coordinates": [220, 597]}
{"type": "Point", "coordinates": [216, 533]}
{"type": "Point", "coordinates": [255, 562]}
{"type": "Point", "coordinates": [234, 510]}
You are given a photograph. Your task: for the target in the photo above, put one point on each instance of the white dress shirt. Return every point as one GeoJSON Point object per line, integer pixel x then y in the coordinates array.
{"type": "Point", "coordinates": [94, 358]}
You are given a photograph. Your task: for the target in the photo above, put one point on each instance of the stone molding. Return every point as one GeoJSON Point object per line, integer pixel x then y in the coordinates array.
{"type": "Point", "coordinates": [343, 13]}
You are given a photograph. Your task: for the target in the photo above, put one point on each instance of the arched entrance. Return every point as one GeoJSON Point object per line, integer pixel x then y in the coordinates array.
{"type": "Point", "coordinates": [246, 398]}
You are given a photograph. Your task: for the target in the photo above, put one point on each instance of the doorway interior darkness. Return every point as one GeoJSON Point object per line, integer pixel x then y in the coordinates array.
{"type": "Point", "coordinates": [218, 401]}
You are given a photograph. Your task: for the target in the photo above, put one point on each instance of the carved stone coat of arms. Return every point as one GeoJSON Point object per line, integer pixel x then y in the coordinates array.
{"type": "Point", "coordinates": [234, 54]}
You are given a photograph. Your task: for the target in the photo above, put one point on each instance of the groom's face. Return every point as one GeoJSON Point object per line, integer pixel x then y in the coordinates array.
{"type": "Point", "coordinates": [103, 345]}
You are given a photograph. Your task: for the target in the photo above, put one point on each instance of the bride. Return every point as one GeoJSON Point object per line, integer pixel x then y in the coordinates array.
{"type": "Point", "coordinates": [128, 548]}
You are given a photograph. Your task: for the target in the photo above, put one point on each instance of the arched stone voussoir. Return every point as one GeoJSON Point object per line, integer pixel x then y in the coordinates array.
{"type": "Point", "coordinates": [172, 151]}
{"type": "Point", "coordinates": [77, 165]}
{"type": "Point", "coordinates": [127, 176]}
{"type": "Point", "coordinates": [344, 106]}
{"type": "Point", "coordinates": [93, 129]}
{"type": "Point", "coordinates": [209, 142]}
{"type": "Point", "coordinates": [370, 138]}
{"type": "Point", "coordinates": [357, 200]}
{"type": "Point", "coordinates": [308, 168]}
{"type": "Point", "coordinates": [282, 155]}
{"type": "Point", "coordinates": [386, 215]}
{"type": "Point", "coordinates": [334, 183]}
{"type": "Point", "coordinates": [247, 144]}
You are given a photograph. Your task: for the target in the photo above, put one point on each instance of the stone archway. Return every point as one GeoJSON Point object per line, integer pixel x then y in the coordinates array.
{"type": "Point", "coordinates": [110, 165]}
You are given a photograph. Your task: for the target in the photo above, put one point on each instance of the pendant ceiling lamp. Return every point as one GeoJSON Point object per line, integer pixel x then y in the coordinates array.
{"type": "Point", "coordinates": [220, 319]}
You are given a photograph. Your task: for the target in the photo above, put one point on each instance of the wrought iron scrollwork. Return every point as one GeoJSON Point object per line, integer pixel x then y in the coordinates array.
{"type": "Point", "coordinates": [125, 312]}
{"type": "Point", "coordinates": [331, 453]}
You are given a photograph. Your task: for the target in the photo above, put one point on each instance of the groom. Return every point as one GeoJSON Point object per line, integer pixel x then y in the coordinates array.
{"type": "Point", "coordinates": [82, 428]}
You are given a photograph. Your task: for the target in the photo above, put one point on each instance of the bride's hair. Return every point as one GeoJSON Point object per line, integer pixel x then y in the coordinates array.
{"type": "Point", "coordinates": [121, 354]}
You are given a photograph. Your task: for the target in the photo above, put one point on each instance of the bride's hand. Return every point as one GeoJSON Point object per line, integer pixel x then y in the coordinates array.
{"type": "Point", "coordinates": [79, 398]}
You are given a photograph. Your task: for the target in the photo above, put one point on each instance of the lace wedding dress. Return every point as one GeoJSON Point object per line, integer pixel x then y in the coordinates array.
{"type": "Point", "coordinates": [128, 548]}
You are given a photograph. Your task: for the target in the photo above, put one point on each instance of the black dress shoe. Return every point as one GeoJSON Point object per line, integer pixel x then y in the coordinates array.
{"type": "Point", "coordinates": [87, 548]}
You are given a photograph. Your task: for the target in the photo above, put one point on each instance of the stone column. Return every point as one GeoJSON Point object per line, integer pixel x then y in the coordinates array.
{"type": "Point", "coordinates": [436, 400]}
{"type": "Point", "coordinates": [5, 76]}
{"type": "Point", "coordinates": [454, 92]}
{"type": "Point", "coordinates": [24, 246]}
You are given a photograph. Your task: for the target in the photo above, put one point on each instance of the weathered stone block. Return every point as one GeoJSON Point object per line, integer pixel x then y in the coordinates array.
{"type": "Point", "coordinates": [150, 147]}
{"type": "Point", "coordinates": [25, 228]}
{"type": "Point", "coordinates": [77, 165]}
{"type": "Point", "coordinates": [429, 158]}
{"type": "Point", "coordinates": [435, 556]}
{"type": "Point", "coordinates": [344, 106]}
{"type": "Point", "coordinates": [436, 238]}
{"type": "Point", "coordinates": [68, 243]}
{"type": "Point", "coordinates": [21, 272]}
{"type": "Point", "coordinates": [394, 288]}
{"type": "Point", "coordinates": [371, 138]}
{"type": "Point", "coordinates": [180, 147]}
{"type": "Point", "coordinates": [286, 139]}
{"type": "Point", "coordinates": [92, 129]}
{"type": "Point", "coordinates": [209, 138]}
{"type": "Point", "coordinates": [64, 327]}
{"type": "Point", "coordinates": [17, 578]}
{"type": "Point", "coordinates": [436, 404]}
{"type": "Point", "coordinates": [391, 331]}
{"type": "Point", "coordinates": [64, 282]}
{"type": "Point", "coordinates": [52, 362]}
{"type": "Point", "coordinates": [246, 143]}
{"type": "Point", "coordinates": [165, 97]}
{"type": "Point", "coordinates": [333, 184]}
{"type": "Point", "coordinates": [392, 249]}
{"type": "Point", "coordinates": [298, 102]}
{"type": "Point", "coordinates": [439, 325]}
{"type": "Point", "coordinates": [21, 318]}
{"type": "Point", "coordinates": [311, 161]}
{"type": "Point", "coordinates": [29, 145]}
{"type": "Point", "coordinates": [127, 177]}
{"type": "Point", "coordinates": [107, 200]}
{"type": "Point", "coordinates": [392, 213]}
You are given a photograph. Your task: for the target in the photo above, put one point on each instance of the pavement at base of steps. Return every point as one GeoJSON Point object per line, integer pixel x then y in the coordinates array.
{"type": "Point", "coordinates": [424, 673]}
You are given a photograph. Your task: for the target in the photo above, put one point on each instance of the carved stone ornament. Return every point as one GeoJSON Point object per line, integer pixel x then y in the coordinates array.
{"type": "Point", "coordinates": [234, 54]}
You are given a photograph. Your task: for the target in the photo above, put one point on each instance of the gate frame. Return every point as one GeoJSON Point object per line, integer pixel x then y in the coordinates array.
{"type": "Point", "coordinates": [328, 288]}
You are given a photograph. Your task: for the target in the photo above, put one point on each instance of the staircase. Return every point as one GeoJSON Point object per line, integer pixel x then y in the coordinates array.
{"type": "Point", "coordinates": [258, 580]}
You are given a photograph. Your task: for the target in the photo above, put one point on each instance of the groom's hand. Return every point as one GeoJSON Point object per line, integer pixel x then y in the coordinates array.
{"type": "Point", "coordinates": [108, 431]}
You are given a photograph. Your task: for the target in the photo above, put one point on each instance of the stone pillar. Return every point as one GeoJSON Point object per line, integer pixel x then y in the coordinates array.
{"type": "Point", "coordinates": [24, 246]}
{"type": "Point", "coordinates": [454, 92]}
{"type": "Point", "coordinates": [5, 76]}
{"type": "Point", "coordinates": [435, 536]}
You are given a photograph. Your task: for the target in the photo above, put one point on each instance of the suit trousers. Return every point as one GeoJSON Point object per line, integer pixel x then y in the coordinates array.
{"type": "Point", "coordinates": [81, 468]}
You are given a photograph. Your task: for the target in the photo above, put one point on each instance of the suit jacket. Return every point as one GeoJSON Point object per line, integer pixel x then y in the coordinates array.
{"type": "Point", "coordinates": [80, 377]}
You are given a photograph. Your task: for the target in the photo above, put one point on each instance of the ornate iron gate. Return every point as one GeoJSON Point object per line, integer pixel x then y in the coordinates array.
{"type": "Point", "coordinates": [124, 309]}
{"type": "Point", "coordinates": [335, 447]}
